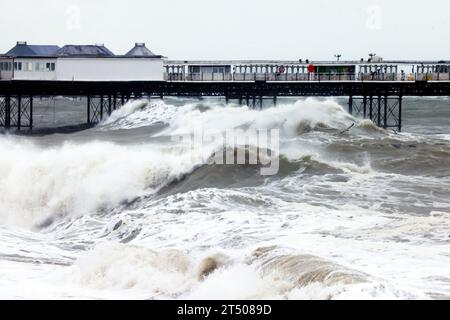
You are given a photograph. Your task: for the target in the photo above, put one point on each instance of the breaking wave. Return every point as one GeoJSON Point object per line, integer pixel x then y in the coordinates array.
{"type": "Point", "coordinates": [81, 178]}
{"type": "Point", "coordinates": [38, 183]}
{"type": "Point", "coordinates": [292, 119]}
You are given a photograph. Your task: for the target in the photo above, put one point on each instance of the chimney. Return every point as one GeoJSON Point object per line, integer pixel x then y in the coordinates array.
{"type": "Point", "coordinates": [140, 44]}
{"type": "Point", "coordinates": [21, 43]}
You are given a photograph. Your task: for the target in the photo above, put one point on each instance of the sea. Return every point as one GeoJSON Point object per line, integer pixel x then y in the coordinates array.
{"type": "Point", "coordinates": [132, 209]}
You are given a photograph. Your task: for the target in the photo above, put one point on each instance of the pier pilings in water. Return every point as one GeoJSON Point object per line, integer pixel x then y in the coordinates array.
{"type": "Point", "coordinates": [376, 100]}
{"type": "Point", "coordinates": [384, 111]}
{"type": "Point", "coordinates": [98, 106]}
{"type": "Point", "coordinates": [16, 111]}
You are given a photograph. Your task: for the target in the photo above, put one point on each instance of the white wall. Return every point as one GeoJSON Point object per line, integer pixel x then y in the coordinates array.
{"type": "Point", "coordinates": [109, 69]}
{"type": "Point", "coordinates": [34, 75]}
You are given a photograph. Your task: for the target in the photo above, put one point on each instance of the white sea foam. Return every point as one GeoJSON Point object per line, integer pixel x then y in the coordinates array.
{"type": "Point", "coordinates": [76, 179]}
{"type": "Point", "coordinates": [139, 113]}
{"type": "Point", "coordinates": [189, 117]}
{"type": "Point", "coordinates": [172, 274]}
{"type": "Point", "coordinates": [443, 136]}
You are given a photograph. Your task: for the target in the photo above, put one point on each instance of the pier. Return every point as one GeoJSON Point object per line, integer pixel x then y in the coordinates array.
{"type": "Point", "coordinates": [374, 87]}
{"type": "Point", "coordinates": [380, 101]}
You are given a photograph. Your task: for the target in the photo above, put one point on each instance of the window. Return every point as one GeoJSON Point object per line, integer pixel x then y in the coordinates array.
{"type": "Point", "coordinates": [39, 66]}
{"type": "Point", "coordinates": [194, 69]}
{"type": "Point", "coordinates": [35, 66]}
{"type": "Point", "coordinates": [50, 66]}
{"type": "Point", "coordinates": [218, 70]}
{"type": "Point", "coordinates": [5, 66]}
{"type": "Point", "coordinates": [443, 69]}
{"type": "Point", "coordinates": [28, 66]}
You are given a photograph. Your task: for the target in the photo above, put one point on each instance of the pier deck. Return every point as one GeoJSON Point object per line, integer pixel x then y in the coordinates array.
{"type": "Point", "coordinates": [226, 88]}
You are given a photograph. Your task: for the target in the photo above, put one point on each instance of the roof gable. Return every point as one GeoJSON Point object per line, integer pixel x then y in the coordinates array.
{"type": "Point", "coordinates": [23, 49]}
{"type": "Point", "coordinates": [85, 50]}
{"type": "Point", "coordinates": [140, 50]}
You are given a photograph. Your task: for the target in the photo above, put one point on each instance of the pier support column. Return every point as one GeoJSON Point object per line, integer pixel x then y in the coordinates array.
{"type": "Point", "coordinates": [350, 105]}
{"type": "Point", "coordinates": [19, 112]}
{"type": "Point", "coordinates": [109, 105]}
{"type": "Point", "coordinates": [365, 106]}
{"type": "Point", "coordinates": [3, 111]}
{"type": "Point", "coordinates": [400, 103]}
{"type": "Point", "coordinates": [16, 112]}
{"type": "Point", "coordinates": [101, 107]}
{"type": "Point", "coordinates": [379, 112]}
{"type": "Point", "coordinates": [31, 113]}
{"type": "Point", "coordinates": [94, 109]}
{"type": "Point", "coordinates": [386, 114]}
{"type": "Point", "coordinates": [88, 109]}
{"type": "Point", "coordinates": [7, 112]}
{"type": "Point", "coordinates": [275, 100]}
{"type": "Point", "coordinates": [356, 106]}
{"type": "Point", "coordinates": [24, 112]}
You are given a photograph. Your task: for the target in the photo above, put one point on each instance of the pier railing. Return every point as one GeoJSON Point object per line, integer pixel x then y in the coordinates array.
{"type": "Point", "coordinates": [432, 76]}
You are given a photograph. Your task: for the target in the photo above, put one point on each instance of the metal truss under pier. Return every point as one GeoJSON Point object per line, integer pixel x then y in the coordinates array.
{"type": "Point", "coordinates": [384, 111]}
{"type": "Point", "coordinates": [16, 112]}
{"type": "Point", "coordinates": [100, 106]}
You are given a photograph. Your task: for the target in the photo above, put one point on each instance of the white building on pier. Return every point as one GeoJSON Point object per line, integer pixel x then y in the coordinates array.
{"type": "Point", "coordinates": [80, 63]}
{"type": "Point", "coordinates": [98, 63]}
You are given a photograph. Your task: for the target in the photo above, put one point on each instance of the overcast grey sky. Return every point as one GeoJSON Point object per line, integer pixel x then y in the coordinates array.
{"type": "Point", "coordinates": [236, 29]}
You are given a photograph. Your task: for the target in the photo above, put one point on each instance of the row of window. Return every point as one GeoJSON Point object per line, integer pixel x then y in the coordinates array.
{"type": "Point", "coordinates": [28, 66]}
{"type": "Point", "coordinates": [209, 69]}
{"type": "Point", "coordinates": [5, 66]}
